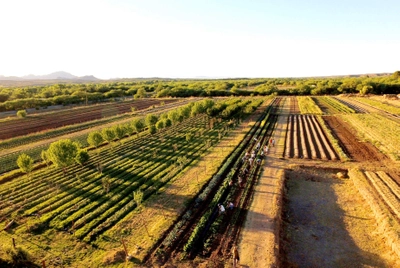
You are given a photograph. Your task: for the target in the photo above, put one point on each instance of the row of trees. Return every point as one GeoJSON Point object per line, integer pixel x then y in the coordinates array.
{"type": "Point", "coordinates": [64, 153]}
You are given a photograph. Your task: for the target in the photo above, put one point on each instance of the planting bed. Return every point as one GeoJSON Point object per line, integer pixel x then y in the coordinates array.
{"type": "Point", "coordinates": [356, 149]}
{"type": "Point", "coordinates": [306, 139]}
{"type": "Point", "coordinates": [32, 124]}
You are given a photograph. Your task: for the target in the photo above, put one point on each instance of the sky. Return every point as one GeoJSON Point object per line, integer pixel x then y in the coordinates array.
{"type": "Point", "coordinates": [202, 38]}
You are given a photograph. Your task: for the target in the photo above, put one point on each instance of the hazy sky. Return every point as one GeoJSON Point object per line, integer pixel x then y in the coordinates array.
{"type": "Point", "coordinates": [184, 38]}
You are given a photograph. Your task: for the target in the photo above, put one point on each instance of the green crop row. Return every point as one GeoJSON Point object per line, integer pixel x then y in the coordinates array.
{"type": "Point", "coordinates": [308, 106]}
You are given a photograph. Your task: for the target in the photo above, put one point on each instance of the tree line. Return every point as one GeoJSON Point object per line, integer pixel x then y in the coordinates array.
{"type": "Point", "coordinates": [17, 98]}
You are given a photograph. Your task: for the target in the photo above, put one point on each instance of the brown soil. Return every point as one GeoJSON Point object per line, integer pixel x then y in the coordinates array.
{"type": "Point", "coordinates": [32, 124]}
{"type": "Point", "coordinates": [328, 224]}
{"type": "Point", "coordinates": [359, 151]}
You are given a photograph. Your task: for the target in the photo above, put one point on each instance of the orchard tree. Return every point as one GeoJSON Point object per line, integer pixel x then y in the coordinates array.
{"type": "Point", "coordinates": [137, 125]}
{"type": "Point", "coordinates": [108, 134]}
{"type": "Point", "coordinates": [167, 122]}
{"type": "Point", "coordinates": [152, 129]}
{"type": "Point", "coordinates": [25, 163]}
{"type": "Point", "coordinates": [173, 115]}
{"type": "Point", "coordinates": [160, 125]}
{"type": "Point", "coordinates": [62, 153]}
{"type": "Point", "coordinates": [95, 138]}
{"type": "Point", "coordinates": [151, 120]}
{"type": "Point", "coordinates": [82, 157]}
{"type": "Point", "coordinates": [119, 131]}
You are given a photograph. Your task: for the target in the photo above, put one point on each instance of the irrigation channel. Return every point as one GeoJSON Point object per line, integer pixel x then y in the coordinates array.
{"type": "Point", "coordinates": [202, 230]}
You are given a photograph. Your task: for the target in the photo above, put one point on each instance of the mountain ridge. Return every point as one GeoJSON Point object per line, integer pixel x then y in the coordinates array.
{"type": "Point", "coordinates": [60, 75]}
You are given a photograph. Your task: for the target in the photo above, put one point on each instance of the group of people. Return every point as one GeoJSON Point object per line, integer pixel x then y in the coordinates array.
{"type": "Point", "coordinates": [221, 208]}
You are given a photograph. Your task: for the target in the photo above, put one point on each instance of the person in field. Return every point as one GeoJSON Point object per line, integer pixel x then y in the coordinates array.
{"type": "Point", "coordinates": [230, 205]}
{"type": "Point", "coordinates": [221, 209]}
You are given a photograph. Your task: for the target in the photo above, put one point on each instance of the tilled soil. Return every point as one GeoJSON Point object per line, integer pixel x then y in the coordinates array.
{"type": "Point", "coordinates": [357, 150]}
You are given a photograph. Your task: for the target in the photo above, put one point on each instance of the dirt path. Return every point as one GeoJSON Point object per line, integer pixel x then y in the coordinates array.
{"type": "Point", "coordinates": [258, 241]}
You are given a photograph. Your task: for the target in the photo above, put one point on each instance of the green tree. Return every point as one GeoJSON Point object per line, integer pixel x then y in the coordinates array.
{"type": "Point", "coordinates": [167, 122]}
{"type": "Point", "coordinates": [396, 75]}
{"type": "Point", "coordinates": [82, 156]}
{"type": "Point", "coordinates": [108, 134]}
{"type": "Point", "coordinates": [151, 120]}
{"type": "Point", "coordinates": [119, 131]}
{"type": "Point", "coordinates": [21, 113]}
{"type": "Point", "coordinates": [25, 163]}
{"type": "Point", "coordinates": [95, 138]}
{"type": "Point", "coordinates": [366, 89]}
{"type": "Point", "coordinates": [152, 129]}
{"type": "Point", "coordinates": [44, 157]}
{"type": "Point", "coordinates": [62, 153]}
{"type": "Point", "coordinates": [141, 93]}
{"type": "Point", "coordinates": [173, 115]}
{"type": "Point", "coordinates": [160, 125]}
{"type": "Point", "coordinates": [137, 125]}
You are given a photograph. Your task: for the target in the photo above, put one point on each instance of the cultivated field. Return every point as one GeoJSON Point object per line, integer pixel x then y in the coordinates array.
{"type": "Point", "coordinates": [325, 192]}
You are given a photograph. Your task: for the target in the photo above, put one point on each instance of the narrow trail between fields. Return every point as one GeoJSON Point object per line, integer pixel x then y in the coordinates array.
{"type": "Point", "coordinates": [260, 235]}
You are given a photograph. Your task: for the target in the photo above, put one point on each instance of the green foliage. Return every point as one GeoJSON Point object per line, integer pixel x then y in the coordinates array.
{"type": "Point", "coordinates": [189, 137]}
{"type": "Point", "coordinates": [63, 152]}
{"type": "Point", "coordinates": [137, 125]}
{"type": "Point", "coordinates": [82, 157]}
{"type": "Point", "coordinates": [167, 122]}
{"type": "Point", "coordinates": [151, 120]}
{"type": "Point", "coordinates": [44, 157]}
{"type": "Point", "coordinates": [18, 256]}
{"type": "Point", "coordinates": [138, 197]}
{"type": "Point", "coordinates": [108, 134]}
{"type": "Point", "coordinates": [25, 163]}
{"type": "Point", "coordinates": [160, 125]}
{"type": "Point", "coordinates": [21, 113]}
{"type": "Point", "coordinates": [119, 131]}
{"type": "Point", "coordinates": [141, 93]}
{"type": "Point", "coordinates": [95, 138]}
{"type": "Point", "coordinates": [152, 129]}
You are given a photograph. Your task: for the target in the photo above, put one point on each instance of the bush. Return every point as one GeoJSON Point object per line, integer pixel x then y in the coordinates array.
{"type": "Point", "coordinates": [21, 113]}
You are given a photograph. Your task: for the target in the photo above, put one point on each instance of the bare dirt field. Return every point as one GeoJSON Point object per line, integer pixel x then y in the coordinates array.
{"type": "Point", "coordinates": [328, 224]}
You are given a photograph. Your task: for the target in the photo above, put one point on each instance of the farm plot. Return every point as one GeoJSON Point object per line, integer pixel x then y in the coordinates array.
{"type": "Point", "coordinates": [387, 189]}
{"type": "Point", "coordinates": [196, 232]}
{"type": "Point", "coordinates": [32, 124]}
{"type": "Point", "coordinates": [379, 130]}
{"type": "Point", "coordinates": [294, 106]}
{"type": "Point", "coordinates": [330, 105]}
{"type": "Point", "coordinates": [357, 150]}
{"type": "Point", "coordinates": [306, 139]}
{"type": "Point", "coordinates": [389, 108]}
{"type": "Point", "coordinates": [327, 223]}
{"type": "Point", "coordinates": [15, 146]}
{"type": "Point", "coordinates": [351, 105]}
{"type": "Point", "coordinates": [91, 200]}
{"type": "Point", "coordinates": [308, 106]}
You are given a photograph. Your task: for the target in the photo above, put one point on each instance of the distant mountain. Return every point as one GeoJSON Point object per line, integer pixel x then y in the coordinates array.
{"type": "Point", "coordinates": [52, 76]}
